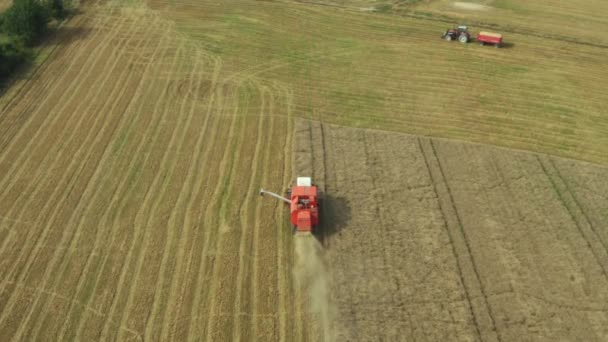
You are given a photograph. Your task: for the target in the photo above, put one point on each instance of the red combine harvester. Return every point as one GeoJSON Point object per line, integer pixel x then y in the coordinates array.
{"type": "Point", "coordinates": [489, 38]}
{"type": "Point", "coordinates": [304, 201]}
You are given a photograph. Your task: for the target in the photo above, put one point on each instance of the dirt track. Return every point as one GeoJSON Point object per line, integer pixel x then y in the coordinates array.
{"type": "Point", "coordinates": [438, 240]}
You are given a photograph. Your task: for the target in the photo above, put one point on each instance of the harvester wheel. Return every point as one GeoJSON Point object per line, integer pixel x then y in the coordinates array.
{"type": "Point", "coordinates": [497, 45]}
{"type": "Point", "coordinates": [482, 43]}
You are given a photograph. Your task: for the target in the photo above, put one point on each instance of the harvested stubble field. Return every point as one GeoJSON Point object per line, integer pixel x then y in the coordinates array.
{"type": "Point", "coordinates": [428, 239]}
{"type": "Point", "coordinates": [131, 158]}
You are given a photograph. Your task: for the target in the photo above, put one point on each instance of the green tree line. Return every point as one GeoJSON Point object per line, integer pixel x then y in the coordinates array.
{"type": "Point", "coordinates": [21, 26]}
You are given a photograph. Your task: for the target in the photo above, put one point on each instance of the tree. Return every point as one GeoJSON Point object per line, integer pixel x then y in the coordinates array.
{"type": "Point", "coordinates": [26, 19]}
{"type": "Point", "coordinates": [12, 53]}
{"type": "Point", "coordinates": [57, 8]}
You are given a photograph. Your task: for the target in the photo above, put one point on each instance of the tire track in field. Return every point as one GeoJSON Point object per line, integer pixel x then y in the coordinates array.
{"type": "Point", "coordinates": [578, 205]}
{"type": "Point", "coordinates": [450, 235]}
{"type": "Point", "coordinates": [485, 320]}
{"type": "Point", "coordinates": [60, 262]}
{"type": "Point", "coordinates": [30, 257]}
{"type": "Point", "coordinates": [576, 212]}
{"type": "Point", "coordinates": [83, 277]}
{"type": "Point", "coordinates": [133, 169]}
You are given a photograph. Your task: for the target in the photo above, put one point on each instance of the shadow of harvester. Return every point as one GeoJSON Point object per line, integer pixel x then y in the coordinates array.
{"type": "Point", "coordinates": [335, 215]}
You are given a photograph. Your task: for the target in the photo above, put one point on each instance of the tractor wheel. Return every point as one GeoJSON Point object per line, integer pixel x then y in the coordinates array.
{"type": "Point", "coordinates": [448, 38]}
{"type": "Point", "coordinates": [463, 38]}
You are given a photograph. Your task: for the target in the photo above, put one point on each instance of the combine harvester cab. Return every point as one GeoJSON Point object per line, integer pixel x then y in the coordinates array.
{"type": "Point", "coordinates": [304, 205]}
{"type": "Point", "coordinates": [304, 202]}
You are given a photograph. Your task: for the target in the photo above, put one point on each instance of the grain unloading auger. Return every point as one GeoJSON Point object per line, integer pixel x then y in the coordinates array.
{"type": "Point", "coordinates": [304, 201]}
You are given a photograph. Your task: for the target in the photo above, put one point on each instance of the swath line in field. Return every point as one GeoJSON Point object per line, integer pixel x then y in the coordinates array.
{"type": "Point", "coordinates": [170, 240]}
{"type": "Point", "coordinates": [31, 256]}
{"type": "Point", "coordinates": [283, 278]}
{"type": "Point", "coordinates": [83, 278]}
{"type": "Point", "coordinates": [208, 133]}
{"type": "Point", "coordinates": [247, 226]}
{"type": "Point", "coordinates": [153, 197]}
{"type": "Point", "coordinates": [227, 185]}
{"type": "Point", "coordinates": [143, 143]}
{"type": "Point", "coordinates": [175, 295]}
{"type": "Point", "coordinates": [213, 231]}
{"type": "Point", "coordinates": [57, 261]}
{"type": "Point", "coordinates": [119, 190]}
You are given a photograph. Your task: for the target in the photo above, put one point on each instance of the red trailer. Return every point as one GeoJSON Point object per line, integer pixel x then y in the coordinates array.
{"type": "Point", "coordinates": [489, 38]}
